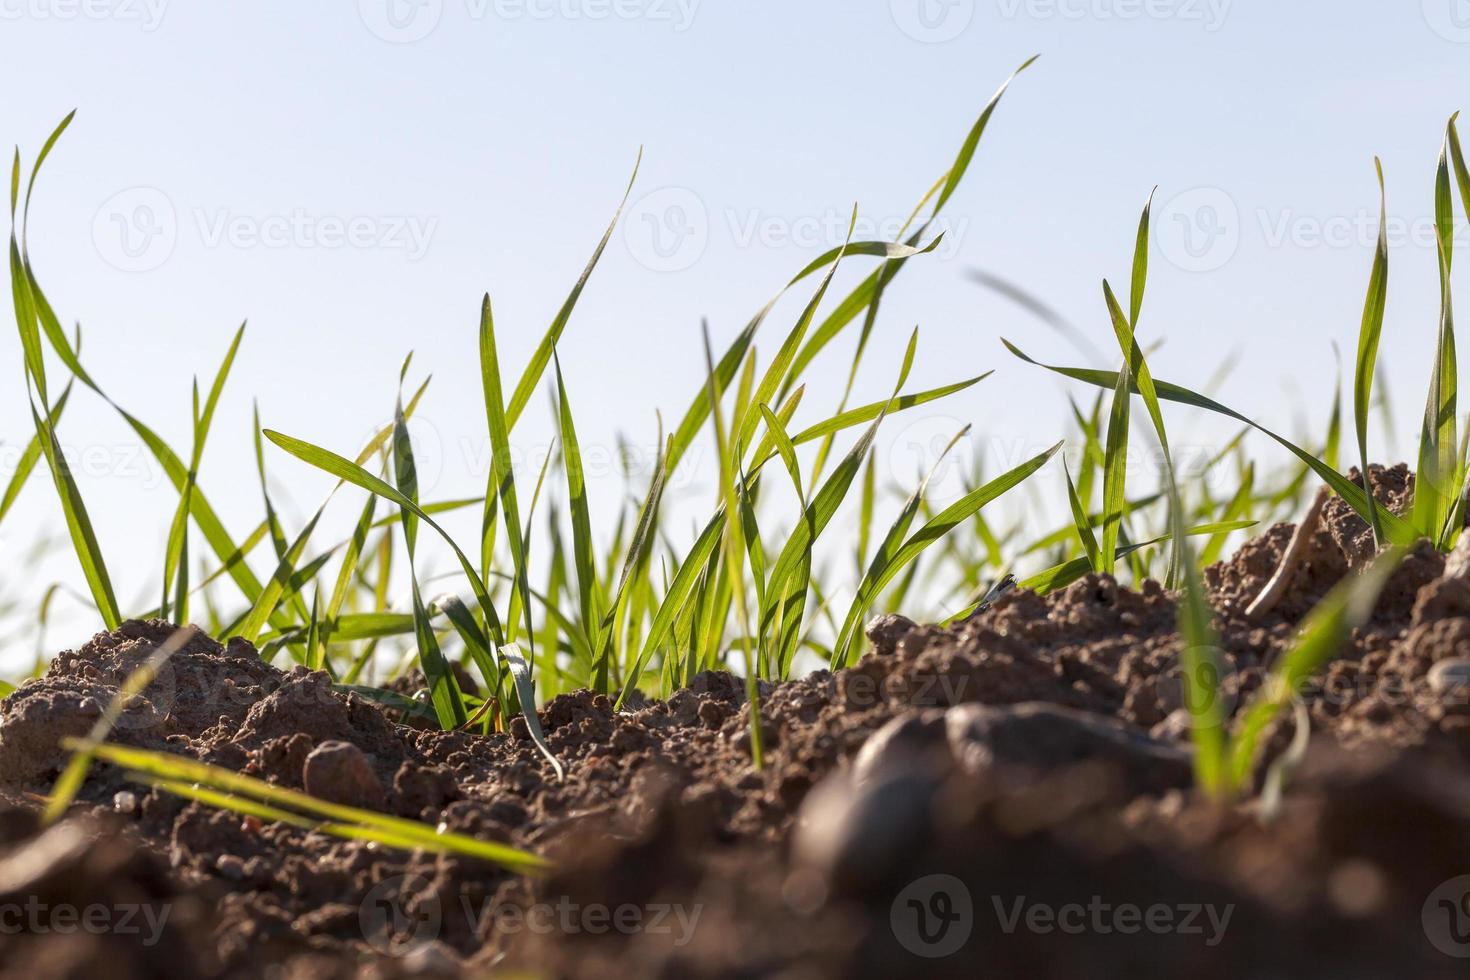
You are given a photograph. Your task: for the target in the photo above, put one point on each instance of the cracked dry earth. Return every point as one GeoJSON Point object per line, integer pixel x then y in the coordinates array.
{"type": "Point", "coordinates": [1008, 796]}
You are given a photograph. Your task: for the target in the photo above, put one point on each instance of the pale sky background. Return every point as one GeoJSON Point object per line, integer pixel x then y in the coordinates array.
{"type": "Point", "coordinates": [220, 149]}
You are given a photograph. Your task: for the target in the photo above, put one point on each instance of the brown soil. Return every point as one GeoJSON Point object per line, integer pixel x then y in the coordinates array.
{"type": "Point", "coordinates": [1035, 759]}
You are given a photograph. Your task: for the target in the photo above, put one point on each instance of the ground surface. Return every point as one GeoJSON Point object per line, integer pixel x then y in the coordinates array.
{"type": "Point", "coordinates": [1009, 795]}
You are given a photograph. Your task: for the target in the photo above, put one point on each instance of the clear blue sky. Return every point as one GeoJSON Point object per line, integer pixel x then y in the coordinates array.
{"type": "Point", "coordinates": [351, 176]}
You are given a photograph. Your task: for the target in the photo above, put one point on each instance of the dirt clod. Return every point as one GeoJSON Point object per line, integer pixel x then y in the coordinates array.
{"type": "Point", "coordinates": [339, 772]}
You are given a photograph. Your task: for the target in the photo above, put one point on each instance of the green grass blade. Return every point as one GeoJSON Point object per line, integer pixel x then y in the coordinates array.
{"type": "Point", "coordinates": [1436, 481]}
{"type": "Point", "coordinates": [934, 530]}
{"type": "Point", "coordinates": [541, 357]}
{"type": "Point", "coordinates": [25, 465]}
{"type": "Point", "coordinates": [1368, 336]}
{"type": "Point", "coordinates": [350, 472]}
{"type": "Point", "coordinates": [1398, 530]}
{"type": "Point", "coordinates": [526, 693]}
{"type": "Point", "coordinates": [502, 474]}
{"type": "Point", "coordinates": [1115, 472]}
{"type": "Point", "coordinates": [180, 771]}
{"type": "Point", "coordinates": [1321, 636]}
{"type": "Point", "coordinates": [1084, 526]}
{"type": "Point", "coordinates": [583, 553]}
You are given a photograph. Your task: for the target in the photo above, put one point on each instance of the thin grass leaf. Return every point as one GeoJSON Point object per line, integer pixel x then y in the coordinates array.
{"type": "Point", "coordinates": [502, 474]}
{"type": "Point", "coordinates": [932, 531]}
{"type": "Point", "coordinates": [1368, 336]}
{"type": "Point", "coordinates": [350, 472]}
{"type": "Point", "coordinates": [1321, 636]}
{"type": "Point", "coordinates": [181, 772]}
{"type": "Point", "coordinates": [1084, 526]}
{"type": "Point", "coordinates": [526, 693]}
{"type": "Point", "coordinates": [583, 553]}
{"type": "Point", "coordinates": [541, 357]}
{"type": "Point", "coordinates": [1398, 530]}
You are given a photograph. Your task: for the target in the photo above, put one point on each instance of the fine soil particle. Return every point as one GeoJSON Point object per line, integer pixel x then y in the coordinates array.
{"type": "Point", "coordinates": [1010, 795]}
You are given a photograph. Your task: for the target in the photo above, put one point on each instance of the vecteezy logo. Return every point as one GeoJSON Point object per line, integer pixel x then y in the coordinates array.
{"type": "Point", "coordinates": [933, 916]}
{"type": "Point", "coordinates": [1450, 19]}
{"type": "Point", "coordinates": [399, 914]}
{"type": "Point", "coordinates": [135, 230]}
{"type": "Point", "coordinates": [1446, 917]}
{"type": "Point", "coordinates": [1201, 689]}
{"type": "Point", "coordinates": [932, 21]}
{"type": "Point", "coordinates": [1199, 229]}
{"type": "Point", "coordinates": [401, 21]}
{"type": "Point", "coordinates": [667, 230]}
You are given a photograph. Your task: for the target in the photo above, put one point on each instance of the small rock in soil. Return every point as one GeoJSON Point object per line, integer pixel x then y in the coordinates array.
{"type": "Point", "coordinates": [339, 772]}
{"type": "Point", "coordinates": [857, 836]}
{"type": "Point", "coordinates": [913, 737]}
{"type": "Point", "coordinates": [1026, 740]}
{"type": "Point", "coordinates": [885, 632]}
{"type": "Point", "coordinates": [1450, 678]}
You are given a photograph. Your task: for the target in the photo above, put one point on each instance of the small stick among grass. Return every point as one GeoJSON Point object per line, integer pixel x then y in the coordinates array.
{"type": "Point", "coordinates": [1290, 559]}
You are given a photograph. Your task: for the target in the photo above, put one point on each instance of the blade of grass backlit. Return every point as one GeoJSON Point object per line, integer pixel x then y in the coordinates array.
{"type": "Point", "coordinates": [859, 299]}
{"type": "Point", "coordinates": [932, 531]}
{"type": "Point", "coordinates": [1321, 636]}
{"type": "Point", "coordinates": [1434, 480]}
{"type": "Point", "coordinates": [583, 553]}
{"type": "Point", "coordinates": [347, 470]}
{"type": "Point", "coordinates": [1143, 381]}
{"type": "Point", "coordinates": [887, 550]}
{"type": "Point", "coordinates": [181, 772]}
{"type": "Point", "coordinates": [1115, 472]}
{"type": "Point", "coordinates": [1200, 663]}
{"type": "Point", "coordinates": [637, 551]}
{"type": "Point", "coordinates": [526, 694]}
{"type": "Point", "coordinates": [541, 357]}
{"type": "Point", "coordinates": [502, 474]}
{"type": "Point", "coordinates": [1062, 575]}
{"type": "Point", "coordinates": [1397, 530]}
{"type": "Point", "coordinates": [678, 592]}
{"type": "Point", "coordinates": [444, 691]}
{"type": "Point", "coordinates": [26, 463]}
{"type": "Point", "coordinates": [1368, 335]}
{"type": "Point", "coordinates": [1084, 526]}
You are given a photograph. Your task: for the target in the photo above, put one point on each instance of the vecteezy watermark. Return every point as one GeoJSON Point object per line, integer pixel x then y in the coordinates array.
{"type": "Point", "coordinates": [407, 21]}
{"type": "Point", "coordinates": [404, 912]}
{"type": "Point", "coordinates": [1197, 682]}
{"type": "Point", "coordinates": [1358, 229]}
{"type": "Point", "coordinates": [406, 233]}
{"type": "Point", "coordinates": [932, 21]}
{"type": "Point", "coordinates": [933, 917]}
{"type": "Point", "coordinates": [1446, 917]}
{"type": "Point", "coordinates": [147, 14]}
{"type": "Point", "coordinates": [1450, 19]}
{"type": "Point", "coordinates": [96, 461]}
{"type": "Point", "coordinates": [38, 918]}
{"type": "Point", "coordinates": [1209, 14]}
{"type": "Point", "coordinates": [669, 229]}
{"type": "Point", "coordinates": [399, 914]}
{"type": "Point", "coordinates": [136, 230]}
{"type": "Point", "coordinates": [1198, 230]}
{"type": "Point", "coordinates": [1100, 917]}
